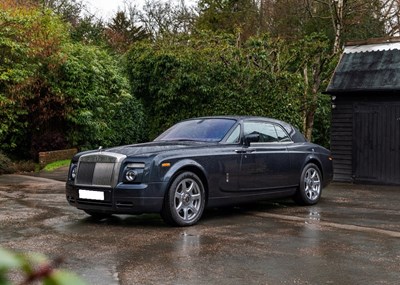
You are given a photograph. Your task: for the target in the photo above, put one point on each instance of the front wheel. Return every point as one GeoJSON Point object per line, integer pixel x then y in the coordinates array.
{"type": "Point", "coordinates": [310, 188]}
{"type": "Point", "coordinates": [184, 201]}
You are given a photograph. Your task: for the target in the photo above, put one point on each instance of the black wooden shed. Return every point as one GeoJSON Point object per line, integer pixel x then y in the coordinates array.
{"type": "Point", "coordinates": [365, 128]}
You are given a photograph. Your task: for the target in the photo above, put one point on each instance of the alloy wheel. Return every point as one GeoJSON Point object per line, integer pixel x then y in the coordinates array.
{"type": "Point", "coordinates": [312, 184]}
{"type": "Point", "coordinates": [188, 199]}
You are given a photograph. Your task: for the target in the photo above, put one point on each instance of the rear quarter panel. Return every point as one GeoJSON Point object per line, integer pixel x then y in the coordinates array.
{"type": "Point", "coordinates": [304, 153]}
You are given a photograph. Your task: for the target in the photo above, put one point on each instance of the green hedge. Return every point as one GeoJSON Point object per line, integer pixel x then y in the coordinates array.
{"type": "Point", "coordinates": [211, 76]}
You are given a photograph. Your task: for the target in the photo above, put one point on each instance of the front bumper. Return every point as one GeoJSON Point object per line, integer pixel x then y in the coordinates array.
{"type": "Point", "coordinates": [122, 199]}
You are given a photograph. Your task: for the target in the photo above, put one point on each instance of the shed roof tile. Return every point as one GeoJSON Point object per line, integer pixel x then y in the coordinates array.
{"type": "Point", "coordinates": [371, 67]}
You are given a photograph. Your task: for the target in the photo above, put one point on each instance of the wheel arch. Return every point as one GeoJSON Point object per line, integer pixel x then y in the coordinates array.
{"type": "Point", "coordinates": [317, 162]}
{"type": "Point", "coordinates": [191, 166]}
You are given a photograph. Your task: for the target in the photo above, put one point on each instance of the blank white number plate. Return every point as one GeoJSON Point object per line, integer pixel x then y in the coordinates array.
{"type": "Point", "coordinates": [92, 195]}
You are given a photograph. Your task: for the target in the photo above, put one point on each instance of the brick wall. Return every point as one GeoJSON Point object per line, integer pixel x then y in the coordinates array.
{"type": "Point", "coordinates": [47, 157]}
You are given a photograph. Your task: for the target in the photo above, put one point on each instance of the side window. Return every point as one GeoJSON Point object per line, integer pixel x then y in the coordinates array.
{"type": "Point", "coordinates": [265, 130]}
{"type": "Point", "coordinates": [282, 135]}
{"type": "Point", "coordinates": [235, 136]}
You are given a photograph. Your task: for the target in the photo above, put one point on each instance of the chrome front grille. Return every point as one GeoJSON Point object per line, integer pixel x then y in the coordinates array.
{"type": "Point", "coordinates": [99, 169]}
{"type": "Point", "coordinates": [85, 172]}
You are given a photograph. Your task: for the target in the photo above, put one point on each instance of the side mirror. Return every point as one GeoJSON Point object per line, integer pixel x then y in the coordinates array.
{"type": "Point", "coordinates": [248, 139]}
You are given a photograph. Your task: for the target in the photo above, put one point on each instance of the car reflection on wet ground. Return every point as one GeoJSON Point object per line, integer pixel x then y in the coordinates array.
{"type": "Point", "coordinates": [351, 237]}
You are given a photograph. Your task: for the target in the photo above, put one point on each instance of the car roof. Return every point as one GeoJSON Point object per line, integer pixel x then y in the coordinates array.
{"type": "Point", "coordinates": [292, 131]}
{"type": "Point", "coordinates": [238, 117]}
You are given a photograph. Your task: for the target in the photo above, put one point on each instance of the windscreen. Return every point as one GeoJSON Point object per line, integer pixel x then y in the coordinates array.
{"type": "Point", "coordinates": [204, 130]}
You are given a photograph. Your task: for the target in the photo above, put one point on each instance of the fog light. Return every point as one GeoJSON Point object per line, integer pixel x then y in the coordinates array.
{"type": "Point", "coordinates": [130, 175]}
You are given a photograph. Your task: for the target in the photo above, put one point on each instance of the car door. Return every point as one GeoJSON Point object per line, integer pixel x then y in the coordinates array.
{"type": "Point", "coordinates": [265, 164]}
{"type": "Point", "coordinates": [229, 163]}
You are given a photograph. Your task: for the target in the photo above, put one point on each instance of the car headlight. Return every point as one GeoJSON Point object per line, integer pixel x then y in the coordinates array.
{"type": "Point", "coordinates": [73, 171]}
{"type": "Point", "coordinates": [130, 175]}
{"type": "Point", "coordinates": [133, 172]}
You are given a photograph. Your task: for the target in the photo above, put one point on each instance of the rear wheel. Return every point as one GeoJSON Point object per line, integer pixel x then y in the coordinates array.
{"type": "Point", "coordinates": [310, 188]}
{"type": "Point", "coordinates": [184, 201]}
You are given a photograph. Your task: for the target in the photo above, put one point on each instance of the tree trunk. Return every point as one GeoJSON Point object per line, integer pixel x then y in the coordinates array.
{"type": "Point", "coordinates": [337, 16]}
{"type": "Point", "coordinates": [305, 103]}
{"type": "Point", "coordinates": [311, 97]}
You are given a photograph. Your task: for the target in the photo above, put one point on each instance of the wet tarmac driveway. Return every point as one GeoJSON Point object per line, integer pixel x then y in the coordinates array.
{"type": "Point", "coordinates": [351, 237]}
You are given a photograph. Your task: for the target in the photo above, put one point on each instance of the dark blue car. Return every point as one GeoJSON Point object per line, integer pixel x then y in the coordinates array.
{"type": "Point", "coordinates": [199, 163]}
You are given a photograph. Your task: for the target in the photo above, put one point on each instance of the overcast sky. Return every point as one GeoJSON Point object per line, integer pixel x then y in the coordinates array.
{"type": "Point", "coordinates": [106, 9]}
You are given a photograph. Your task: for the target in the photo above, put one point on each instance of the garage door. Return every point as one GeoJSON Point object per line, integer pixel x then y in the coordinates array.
{"type": "Point", "coordinates": [376, 141]}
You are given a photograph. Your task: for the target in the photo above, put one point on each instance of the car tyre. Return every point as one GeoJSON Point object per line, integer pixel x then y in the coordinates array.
{"type": "Point", "coordinates": [310, 188]}
{"type": "Point", "coordinates": [185, 200]}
